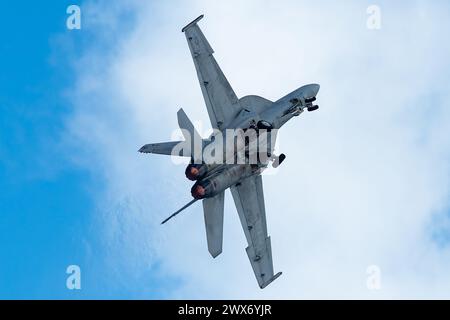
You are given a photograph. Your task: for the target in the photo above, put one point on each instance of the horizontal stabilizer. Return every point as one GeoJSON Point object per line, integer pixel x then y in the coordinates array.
{"type": "Point", "coordinates": [165, 148]}
{"type": "Point", "coordinates": [213, 212]}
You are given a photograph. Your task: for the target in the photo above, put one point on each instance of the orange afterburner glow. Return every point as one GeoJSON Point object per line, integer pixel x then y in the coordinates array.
{"type": "Point", "coordinates": [198, 192]}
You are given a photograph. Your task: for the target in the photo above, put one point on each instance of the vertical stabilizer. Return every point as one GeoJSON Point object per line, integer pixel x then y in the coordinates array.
{"type": "Point", "coordinates": [191, 134]}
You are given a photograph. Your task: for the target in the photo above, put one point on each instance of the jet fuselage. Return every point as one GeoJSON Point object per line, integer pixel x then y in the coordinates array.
{"type": "Point", "coordinates": [213, 178]}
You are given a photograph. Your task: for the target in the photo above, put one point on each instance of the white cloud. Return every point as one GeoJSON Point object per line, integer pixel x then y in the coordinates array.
{"type": "Point", "coordinates": [365, 177]}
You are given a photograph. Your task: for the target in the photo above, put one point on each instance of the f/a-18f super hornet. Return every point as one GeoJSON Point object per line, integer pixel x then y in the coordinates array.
{"type": "Point", "coordinates": [254, 117]}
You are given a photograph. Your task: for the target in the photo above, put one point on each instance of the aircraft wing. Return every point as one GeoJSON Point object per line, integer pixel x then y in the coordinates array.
{"type": "Point", "coordinates": [221, 101]}
{"type": "Point", "coordinates": [249, 199]}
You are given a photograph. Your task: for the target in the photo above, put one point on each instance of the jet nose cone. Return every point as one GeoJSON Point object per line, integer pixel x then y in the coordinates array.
{"type": "Point", "coordinates": [309, 91]}
{"type": "Point", "coordinates": [315, 88]}
{"type": "Point", "coordinates": [312, 90]}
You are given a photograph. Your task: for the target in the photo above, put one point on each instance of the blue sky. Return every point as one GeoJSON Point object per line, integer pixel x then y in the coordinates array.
{"type": "Point", "coordinates": [47, 206]}
{"type": "Point", "coordinates": [45, 201]}
{"type": "Point", "coordinates": [76, 105]}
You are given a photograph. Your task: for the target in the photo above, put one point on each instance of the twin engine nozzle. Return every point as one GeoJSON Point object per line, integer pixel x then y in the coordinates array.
{"type": "Point", "coordinates": [196, 171]}
{"type": "Point", "coordinates": [200, 190]}
{"type": "Point", "coordinates": [213, 183]}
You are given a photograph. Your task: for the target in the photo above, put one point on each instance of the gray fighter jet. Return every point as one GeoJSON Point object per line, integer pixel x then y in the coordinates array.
{"type": "Point", "coordinates": [227, 112]}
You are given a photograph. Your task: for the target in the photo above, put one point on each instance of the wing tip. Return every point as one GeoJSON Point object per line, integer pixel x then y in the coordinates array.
{"type": "Point", "coordinates": [265, 284]}
{"type": "Point", "coordinates": [200, 17]}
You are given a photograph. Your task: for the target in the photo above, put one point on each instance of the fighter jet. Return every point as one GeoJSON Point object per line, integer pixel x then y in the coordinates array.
{"type": "Point", "coordinates": [254, 117]}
